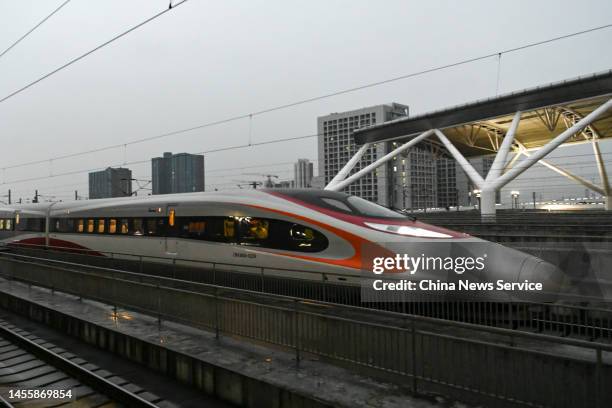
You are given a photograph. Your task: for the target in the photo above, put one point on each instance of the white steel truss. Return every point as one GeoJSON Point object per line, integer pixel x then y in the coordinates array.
{"type": "Point", "coordinates": [501, 171]}
{"type": "Point", "coordinates": [340, 184]}
{"type": "Point", "coordinates": [348, 166]}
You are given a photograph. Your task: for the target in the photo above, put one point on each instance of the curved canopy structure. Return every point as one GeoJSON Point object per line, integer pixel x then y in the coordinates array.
{"type": "Point", "coordinates": [545, 114]}
{"type": "Point", "coordinates": [531, 123]}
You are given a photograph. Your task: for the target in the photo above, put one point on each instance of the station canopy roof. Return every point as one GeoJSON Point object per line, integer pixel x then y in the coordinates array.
{"type": "Point", "coordinates": [477, 128]}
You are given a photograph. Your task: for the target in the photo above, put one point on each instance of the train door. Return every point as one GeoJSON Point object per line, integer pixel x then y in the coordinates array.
{"type": "Point", "coordinates": [171, 231]}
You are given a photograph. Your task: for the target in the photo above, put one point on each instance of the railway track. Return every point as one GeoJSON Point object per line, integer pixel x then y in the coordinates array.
{"type": "Point", "coordinates": [31, 367]}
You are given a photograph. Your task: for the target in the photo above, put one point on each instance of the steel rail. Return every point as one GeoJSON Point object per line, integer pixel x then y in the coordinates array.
{"type": "Point", "coordinates": [89, 378]}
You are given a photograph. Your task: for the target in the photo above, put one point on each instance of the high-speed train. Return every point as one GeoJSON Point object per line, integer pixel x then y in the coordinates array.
{"type": "Point", "coordinates": [285, 230]}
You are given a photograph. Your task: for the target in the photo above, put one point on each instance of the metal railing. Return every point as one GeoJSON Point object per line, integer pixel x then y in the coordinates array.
{"type": "Point", "coordinates": [487, 365]}
{"type": "Point", "coordinates": [592, 323]}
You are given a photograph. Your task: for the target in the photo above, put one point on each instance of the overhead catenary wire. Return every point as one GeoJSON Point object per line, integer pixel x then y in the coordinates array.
{"type": "Point", "coordinates": [222, 149]}
{"type": "Point", "coordinates": [4, 182]}
{"type": "Point", "coordinates": [137, 162]}
{"type": "Point", "coordinates": [80, 57]}
{"type": "Point", "coordinates": [33, 28]}
{"type": "Point", "coordinates": [54, 189]}
{"type": "Point", "coordinates": [287, 105]}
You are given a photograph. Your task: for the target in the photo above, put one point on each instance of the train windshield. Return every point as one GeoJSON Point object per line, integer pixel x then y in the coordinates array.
{"type": "Point", "coordinates": [341, 202]}
{"type": "Point", "coordinates": [371, 209]}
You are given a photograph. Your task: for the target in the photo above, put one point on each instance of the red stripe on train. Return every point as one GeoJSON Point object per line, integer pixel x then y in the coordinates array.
{"type": "Point", "coordinates": [56, 244]}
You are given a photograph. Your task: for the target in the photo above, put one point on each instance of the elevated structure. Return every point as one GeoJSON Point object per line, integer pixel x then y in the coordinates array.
{"type": "Point", "coordinates": [530, 123]}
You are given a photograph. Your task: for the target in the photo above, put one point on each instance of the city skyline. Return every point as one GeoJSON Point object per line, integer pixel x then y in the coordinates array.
{"type": "Point", "coordinates": [155, 110]}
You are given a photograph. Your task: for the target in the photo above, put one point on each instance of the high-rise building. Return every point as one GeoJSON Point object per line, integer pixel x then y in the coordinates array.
{"type": "Point", "coordinates": [336, 146]}
{"type": "Point", "coordinates": [177, 173]}
{"type": "Point", "coordinates": [422, 177]}
{"type": "Point", "coordinates": [302, 173]}
{"type": "Point", "coordinates": [447, 181]}
{"type": "Point", "coordinates": [110, 183]}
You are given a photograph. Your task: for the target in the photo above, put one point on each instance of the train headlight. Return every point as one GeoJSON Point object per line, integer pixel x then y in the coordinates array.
{"type": "Point", "coordinates": [407, 230]}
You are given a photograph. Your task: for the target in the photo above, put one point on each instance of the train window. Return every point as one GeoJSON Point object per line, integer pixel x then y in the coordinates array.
{"type": "Point", "coordinates": [80, 225]}
{"type": "Point", "coordinates": [192, 228]}
{"type": "Point", "coordinates": [1, 224]}
{"type": "Point", "coordinates": [370, 209]}
{"type": "Point", "coordinates": [229, 228]}
{"type": "Point", "coordinates": [112, 226]}
{"type": "Point", "coordinates": [279, 234]}
{"type": "Point", "coordinates": [305, 239]}
{"type": "Point", "coordinates": [337, 203]}
{"type": "Point", "coordinates": [101, 225]}
{"type": "Point", "coordinates": [31, 224]}
{"type": "Point", "coordinates": [8, 225]}
{"type": "Point", "coordinates": [151, 226]}
{"type": "Point", "coordinates": [137, 229]}
{"type": "Point", "coordinates": [343, 202]}
{"type": "Point", "coordinates": [220, 229]}
{"type": "Point", "coordinates": [163, 229]}
{"type": "Point", "coordinates": [253, 231]}
{"type": "Point", "coordinates": [197, 227]}
{"type": "Point", "coordinates": [124, 226]}
{"type": "Point", "coordinates": [299, 233]}
{"type": "Point", "coordinates": [90, 226]}
{"type": "Point", "coordinates": [268, 233]}
{"type": "Point", "coordinates": [62, 225]}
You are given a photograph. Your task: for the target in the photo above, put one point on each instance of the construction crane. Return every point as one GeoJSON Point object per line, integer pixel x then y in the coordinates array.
{"type": "Point", "coordinates": [269, 183]}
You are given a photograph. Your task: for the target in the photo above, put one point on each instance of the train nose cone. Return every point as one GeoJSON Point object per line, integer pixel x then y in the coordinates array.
{"type": "Point", "coordinates": [550, 276]}
{"type": "Point", "coordinates": [515, 267]}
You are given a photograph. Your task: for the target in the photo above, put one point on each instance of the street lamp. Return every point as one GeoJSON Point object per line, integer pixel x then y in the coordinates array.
{"type": "Point", "coordinates": [515, 197]}
{"type": "Point", "coordinates": [476, 193]}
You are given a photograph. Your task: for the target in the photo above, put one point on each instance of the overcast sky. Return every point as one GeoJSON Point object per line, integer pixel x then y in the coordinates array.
{"type": "Point", "coordinates": [207, 61]}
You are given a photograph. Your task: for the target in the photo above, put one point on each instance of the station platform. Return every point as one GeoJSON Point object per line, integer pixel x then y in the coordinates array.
{"type": "Point", "coordinates": [348, 356]}
{"type": "Point", "coordinates": [527, 225]}
{"type": "Point", "coordinates": [240, 373]}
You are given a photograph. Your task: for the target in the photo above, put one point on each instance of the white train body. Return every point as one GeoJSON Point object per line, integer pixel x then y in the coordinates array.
{"type": "Point", "coordinates": [292, 233]}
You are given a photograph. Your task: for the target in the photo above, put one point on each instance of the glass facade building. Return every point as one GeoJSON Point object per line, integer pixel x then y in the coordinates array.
{"type": "Point", "coordinates": [177, 173]}
{"type": "Point", "coordinates": [302, 173]}
{"type": "Point", "coordinates": [336, 146]}
{"type": "Point", "coordinates": [110, 183]}
{"type": "Point", "coordinates": [424, 176]}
